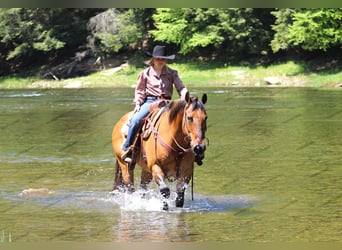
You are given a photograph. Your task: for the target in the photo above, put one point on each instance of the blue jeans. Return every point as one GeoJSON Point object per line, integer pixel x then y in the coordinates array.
{"type": "Point", "coordinates": [136, 122]}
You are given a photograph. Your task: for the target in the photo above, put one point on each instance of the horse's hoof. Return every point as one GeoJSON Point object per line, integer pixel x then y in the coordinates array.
{"type": "Point", "coordinates": [165, 206]}
{"type": "Point", "coordinates": [179, 202]}
{"type": "Point", "coordinates": [130, 189]}
{"type": "Point", "coordinates": [165, 192]}
{"type": "Point", "coordinates": [179, 199]}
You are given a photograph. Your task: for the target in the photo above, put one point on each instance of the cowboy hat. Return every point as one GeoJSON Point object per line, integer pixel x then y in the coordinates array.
{"type": "Point", "coordinates": [160, 52]}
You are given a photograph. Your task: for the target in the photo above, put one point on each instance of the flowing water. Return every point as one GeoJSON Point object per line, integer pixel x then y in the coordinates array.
{"type": "Point", "coordinates": [272, 171]}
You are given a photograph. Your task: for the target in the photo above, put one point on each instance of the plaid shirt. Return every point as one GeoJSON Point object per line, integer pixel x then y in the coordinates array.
{"type": "Point", "coordinates": [150, 84]}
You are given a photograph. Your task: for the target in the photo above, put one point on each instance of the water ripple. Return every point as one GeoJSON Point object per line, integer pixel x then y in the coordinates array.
{"type": "Point", "coordinates": [148, 201]}
{"type": "Point", "coordinates": [24, 158]}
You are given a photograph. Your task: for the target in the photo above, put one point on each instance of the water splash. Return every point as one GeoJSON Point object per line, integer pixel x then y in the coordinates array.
{"type": "Point", "coordinates": [151, 201]}
{"type": "Point", "coordinates": [139, 201]}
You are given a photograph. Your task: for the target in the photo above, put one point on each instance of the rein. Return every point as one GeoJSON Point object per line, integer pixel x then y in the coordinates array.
{"type": "Point", "coordinates": [179, 154]}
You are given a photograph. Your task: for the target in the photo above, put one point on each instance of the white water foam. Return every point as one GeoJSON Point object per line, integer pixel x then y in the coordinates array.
{"type": "Point", "coordinates": [30, 94]}
{"type": "Point", "coordinates": [139, 201]}
{"type": "Point", "coordinates": [152, 201]}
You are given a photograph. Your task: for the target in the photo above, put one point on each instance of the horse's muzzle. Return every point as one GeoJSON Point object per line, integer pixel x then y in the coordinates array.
{"type": "Point", "coordinates": [199, 153]}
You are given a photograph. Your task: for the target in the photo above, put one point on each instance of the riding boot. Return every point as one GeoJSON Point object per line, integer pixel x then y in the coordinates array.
{"type": "Point", "coordinates": [127, 155]}
{"type": "Point", "coordinates": [127, 147]}
{"type": "Point", "coordinates": [133, 129]}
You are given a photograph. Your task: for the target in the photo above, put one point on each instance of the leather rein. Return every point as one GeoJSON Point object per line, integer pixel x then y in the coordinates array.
{"type": "Point", "coordinates": [179, 154]}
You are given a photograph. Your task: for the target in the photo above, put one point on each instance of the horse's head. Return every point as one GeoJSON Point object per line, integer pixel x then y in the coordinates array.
{"type": "Point", "coordinates": [195, 125]}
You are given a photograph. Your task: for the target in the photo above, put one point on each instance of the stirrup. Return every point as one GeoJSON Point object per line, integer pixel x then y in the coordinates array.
{"type": "Point", "coordinates": [127, 156]}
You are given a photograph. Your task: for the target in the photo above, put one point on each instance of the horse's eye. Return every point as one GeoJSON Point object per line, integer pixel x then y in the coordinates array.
{"type": "Point", "coordinates": [190, 119]}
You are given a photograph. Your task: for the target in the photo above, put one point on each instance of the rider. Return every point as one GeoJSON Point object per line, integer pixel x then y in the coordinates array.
{"type": "Point", "coordinates": [154, 83]}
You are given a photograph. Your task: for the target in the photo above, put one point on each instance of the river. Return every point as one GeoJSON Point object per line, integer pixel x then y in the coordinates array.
{"type": "Point", "coordinates": [272, 171]}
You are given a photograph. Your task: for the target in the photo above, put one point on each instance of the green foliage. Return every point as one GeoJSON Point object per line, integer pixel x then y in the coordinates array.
{"type": "Point", "coordinates": [281, 36]}
{"type": "Point", "coordinates": [236, 29]}
{"type": "Point", "coordinates": [115, 29]}
{"type": "Point", "coordinates": [24, 30]}
{"type": "Point", "coordinates": [317, 29]}
{"type": "Point", "coordinates": [47, 42]}
{"type": "Point", "coordinates": [310, 29]}
{"type": "Point", "coordinates": [27, 35]}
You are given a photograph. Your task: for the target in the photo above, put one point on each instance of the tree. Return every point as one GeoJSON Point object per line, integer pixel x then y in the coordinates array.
{"type": "Point", "coordinates": [23, 30]}
{"type": "Point", "coordinates": [281, 37]}
{"type": "Point", "coordinates": [310, 29]}
{"type": "Point", "coordinates": [115, 29]}
{"type": "Point", "coordinates": [236, 30]}
{"type": "Point", "coordinates": [34, 36]}
{"type": "Point", "coordinates": [317, 29]}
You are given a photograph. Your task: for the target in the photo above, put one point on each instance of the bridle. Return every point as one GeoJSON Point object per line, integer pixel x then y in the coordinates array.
{"type": "Point", "coordinates": [180, 151]}
{"type": "Point", "coordinates": [179, 154]}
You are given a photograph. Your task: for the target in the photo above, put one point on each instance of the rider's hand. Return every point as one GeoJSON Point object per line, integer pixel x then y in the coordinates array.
{"type": "Point", "coordinates": [136, 108]}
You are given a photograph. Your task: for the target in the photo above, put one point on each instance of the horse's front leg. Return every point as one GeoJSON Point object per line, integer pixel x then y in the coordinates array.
{"type": "Point", "coordinates": [182, 184]}
{"type": "Point", "coordinates": [146, 178]}
{"type": "Point", "coordinates": [158, 177]}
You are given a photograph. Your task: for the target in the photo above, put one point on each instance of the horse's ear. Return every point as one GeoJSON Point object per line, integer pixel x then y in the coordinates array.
{"type": "Point", "coordinates": [187, 97]}
{"type": "Point", "coordinates": [204, 98]}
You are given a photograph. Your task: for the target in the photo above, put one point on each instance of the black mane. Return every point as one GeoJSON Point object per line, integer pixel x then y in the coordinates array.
{"type": "Point", "coordinates": [177, 106]}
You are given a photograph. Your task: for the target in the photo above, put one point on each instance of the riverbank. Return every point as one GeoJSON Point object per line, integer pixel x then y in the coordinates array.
{"type": "Point", "coordinates": [326, 74]}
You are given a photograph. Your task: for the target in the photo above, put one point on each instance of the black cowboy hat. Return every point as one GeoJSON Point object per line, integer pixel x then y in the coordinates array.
{"type": "Point", "coordinates": [160, 52]}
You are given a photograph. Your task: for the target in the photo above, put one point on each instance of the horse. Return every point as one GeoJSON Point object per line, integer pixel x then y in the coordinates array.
{"type": "Point", "coordinates": [177, 140]}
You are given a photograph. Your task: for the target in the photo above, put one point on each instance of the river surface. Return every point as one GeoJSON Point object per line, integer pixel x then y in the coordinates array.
{"type": "Point", "coordinates": [272, 171]}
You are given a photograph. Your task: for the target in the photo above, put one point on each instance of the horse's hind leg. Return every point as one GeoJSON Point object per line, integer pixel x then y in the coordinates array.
{"type": "Point", "coordinates": [118, 181]}
{"type": "Point", "coordinates": [123, 177]}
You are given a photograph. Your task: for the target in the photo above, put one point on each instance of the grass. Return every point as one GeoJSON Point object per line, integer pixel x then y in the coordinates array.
{"type": "Point", "coordinates": [235, 75]}
{"type": "Point", "coordinates": [16, 82]}
{"type": "Point", "coordinates": [201, 74]}
{"type": "Point", "coordinates": [3, 237]}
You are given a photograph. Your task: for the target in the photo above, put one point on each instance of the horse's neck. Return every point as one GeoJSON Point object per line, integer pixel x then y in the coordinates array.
{"type": "Point", "coordinates": [176, 128]}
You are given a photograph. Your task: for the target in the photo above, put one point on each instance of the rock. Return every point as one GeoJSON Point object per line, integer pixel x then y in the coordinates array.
{"type": "Point", "coordinates": [272, 80]}
{"type": "Point", "coordinates": [36, 192]}
{"type": "Point", "coordinates": [74, 85]}
{"type": "Point", "coordinates": [239, 74]}
{"type": "Point", "coordinates": [111, 71]}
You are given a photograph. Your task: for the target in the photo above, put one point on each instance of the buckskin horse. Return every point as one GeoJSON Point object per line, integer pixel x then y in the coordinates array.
{"type": "Point", "coordinates": [176, 140]}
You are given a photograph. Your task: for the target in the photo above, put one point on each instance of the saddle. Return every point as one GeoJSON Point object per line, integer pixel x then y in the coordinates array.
{"type": "Point", "coordinates": [145, 130]}
{"type": "Point", "coordinates": [149, 121]}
